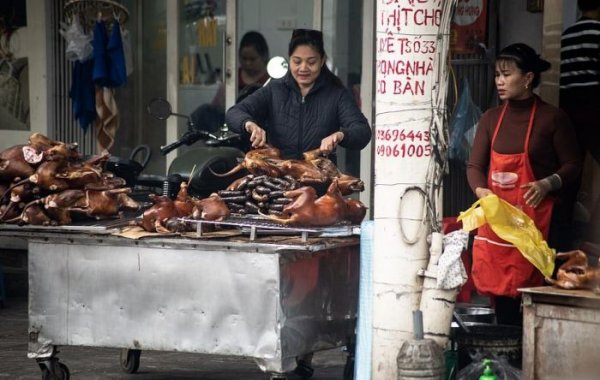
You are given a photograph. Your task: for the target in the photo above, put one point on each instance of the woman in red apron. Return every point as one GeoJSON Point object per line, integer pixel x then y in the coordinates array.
{"type": "Point", "coordinates": [524, 151]}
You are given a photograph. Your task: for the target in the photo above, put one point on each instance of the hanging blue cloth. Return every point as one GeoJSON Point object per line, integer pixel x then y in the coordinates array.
{"type": "Point", "coordinates": [101, 73]}
{"type": "Point", "coordinates": [116, 57]}
{"type": "Point", "coordinates": [83, 93]}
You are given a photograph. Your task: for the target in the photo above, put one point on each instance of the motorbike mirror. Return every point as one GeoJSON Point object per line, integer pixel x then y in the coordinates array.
{"type": "Point", "coordinates": [277, 67]}
{"type": "Point", "coordinates": [159, 108]}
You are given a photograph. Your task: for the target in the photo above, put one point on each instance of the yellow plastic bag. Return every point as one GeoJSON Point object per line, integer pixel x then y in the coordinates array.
{"type": "Point", "coordinates": [512, 225]}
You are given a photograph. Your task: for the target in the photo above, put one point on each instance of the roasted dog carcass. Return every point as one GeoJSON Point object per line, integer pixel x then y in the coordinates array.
{"type": "Point", "coordinates": [49, 179]}
{"type": "Point", "coordinates": [258, 162]}
{"type": "Point", "coordinates": [575, 273]}
{"type": "Point", "coordinates": [302, 171]}
{"type": "Point", "coordinates": [183, 202]}
{"type": "Point", "coordinates": [13, 163]}
{"type": "Point", "coordinates": [211, 208]}
{"type": "Point", "coordinates": [92, 203]}
{"type": "Point", "coordinates": [308, 210]}
{"type": "Point", "coordinates": [156, 217]}
{"type": "Point", "coordinates": [33, 213]}
{"type": "Point", "coordinates": [314, 169]}
{"type": "Point", "coordinates": [355, 211]}
{"type": "Point", "coordinates": [164, 216]}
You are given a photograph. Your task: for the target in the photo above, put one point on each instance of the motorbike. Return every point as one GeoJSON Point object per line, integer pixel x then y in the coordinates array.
{"type": "Point", "coordinates": [221, 150]}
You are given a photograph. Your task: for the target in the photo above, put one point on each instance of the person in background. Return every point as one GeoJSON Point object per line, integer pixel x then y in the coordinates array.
{"type": "Point", "coordinates": [525, 152]}
{"type": "Point", "coordinates": [580, 99]}
{"type": "Point", "coordinates": [253, 56]}
{"type": "Point", "coordinates": [308, 108]}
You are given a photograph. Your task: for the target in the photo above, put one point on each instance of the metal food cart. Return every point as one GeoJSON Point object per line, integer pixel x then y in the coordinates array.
{"type": "Point", "coordinates": [561, 331]}
{"type": "Point", "coordinates": [272, 299]}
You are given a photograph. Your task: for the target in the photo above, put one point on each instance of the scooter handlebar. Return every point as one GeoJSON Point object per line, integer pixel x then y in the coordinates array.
{"type": "Point", "coordinates": [188, 138]}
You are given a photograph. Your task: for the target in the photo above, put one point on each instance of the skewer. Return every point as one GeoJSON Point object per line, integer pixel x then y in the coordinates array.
{"type": "Point", "coordinates": [191, 175]}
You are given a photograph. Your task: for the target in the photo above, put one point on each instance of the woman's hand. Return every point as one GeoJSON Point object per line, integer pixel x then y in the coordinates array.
{"type": "Point", "coordinates": [258, 136]}
{"type": "Point", "coordinates": [481, 192]}
{"type": "Point", "coordinates": [537, 192]}
{"type": "Point", "coordinates": [329, 143]}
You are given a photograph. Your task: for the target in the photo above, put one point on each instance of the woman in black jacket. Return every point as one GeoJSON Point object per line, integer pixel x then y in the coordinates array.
{"type": "Point", "coordinates": [309, 108]}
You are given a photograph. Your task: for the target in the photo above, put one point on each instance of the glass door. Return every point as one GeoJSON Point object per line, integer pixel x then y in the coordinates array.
{"type": "Point", "coordinates": [263, 30]}
{"type": "Point", "coordinates": [202, 36]}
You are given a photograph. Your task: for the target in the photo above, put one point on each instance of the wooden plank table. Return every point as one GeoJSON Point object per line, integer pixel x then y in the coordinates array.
{"type": "Point", "coordinates": [561, 334]}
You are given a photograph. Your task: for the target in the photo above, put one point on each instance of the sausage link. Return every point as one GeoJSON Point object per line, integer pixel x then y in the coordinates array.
{"type": "Point", "coordinates": [255, 182]}
{"type": "Point", "coordinates": [280, 181]}
{"type": "Point", "coordinates": [273, 185]}
{"type": "Point", "coordinates": [276, 194]}
{"type": "Point", "coordinates": [230, 193]}
{"type": "Point", "coordinates": [262, 189]}
{"type": "Point", "coordinates": [281, 201]}
{"type": "Point", "coordinates": [259, 197]}
{"type": "Point", "coordinates": [251, 207]}
{"type": "Point", "coordinates": [238, 198]}
{"type": "Point", "coordinates": [293, 184]}
{"type": "Point", "coordinates": [235, 206]}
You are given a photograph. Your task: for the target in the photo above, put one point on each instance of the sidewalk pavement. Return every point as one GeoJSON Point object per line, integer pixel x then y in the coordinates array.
{"type": "Point", "coordinates": [103, 363]}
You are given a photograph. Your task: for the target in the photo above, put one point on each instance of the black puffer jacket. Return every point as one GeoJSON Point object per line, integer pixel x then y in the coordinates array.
{"type": "Point", "coordinates": [296, 125]}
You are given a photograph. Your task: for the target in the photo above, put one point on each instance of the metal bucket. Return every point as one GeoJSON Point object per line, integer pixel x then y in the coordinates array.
{"type": "Point", "coordinates": [475, 313]}
{"type": "Point", "coordinates": [486, 339]}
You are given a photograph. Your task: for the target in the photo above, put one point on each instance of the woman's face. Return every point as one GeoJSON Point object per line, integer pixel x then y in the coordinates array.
{"type": "Point", "coordinates": [511, 82]}
{"type": "Point", "coordinates": [305, 65]}
{"type": "Point", "coordinates": [250, 61]}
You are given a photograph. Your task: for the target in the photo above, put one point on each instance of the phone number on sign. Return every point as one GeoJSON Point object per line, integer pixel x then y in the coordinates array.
{"type": "Point", "coordinates": [394, 135]}
{"type": "Point", "coordinates": [404, 150]}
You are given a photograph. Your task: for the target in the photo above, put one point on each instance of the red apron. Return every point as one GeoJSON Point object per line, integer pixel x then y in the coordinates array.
{"type": "Point", "coordinates": [499, 269]}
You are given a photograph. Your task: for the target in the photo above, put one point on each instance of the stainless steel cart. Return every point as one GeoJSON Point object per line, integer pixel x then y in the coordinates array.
{"type": "Point", "coordinates": [272, 301]}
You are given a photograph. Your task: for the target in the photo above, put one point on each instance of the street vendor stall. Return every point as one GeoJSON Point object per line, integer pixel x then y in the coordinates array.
{"type": "Point", "coordinates": [271, 299]}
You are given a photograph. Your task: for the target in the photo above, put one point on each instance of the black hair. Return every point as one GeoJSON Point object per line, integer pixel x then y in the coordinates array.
{"type": "Point", "coordinates": [526, 59]}
{"type": "Point", "coordinates": [257, 41]}
{"type": "Point", "coordinates": [588, 5]}
{"type": "Point", "coordinates": [314, 39]}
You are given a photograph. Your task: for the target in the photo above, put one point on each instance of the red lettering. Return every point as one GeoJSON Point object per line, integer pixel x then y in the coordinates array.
{"type": "Point", "coordinates": [403, 150]}
{"type": "Point", "coordinates": [381, 86]}
{"type": "Point", "coordinates": [401, 134]}
{"type": "Point", "coordinates": [401, 16]}
{"type": "Point", "coordinates": [409, 87]}
{"type": "Point", "coordinates": [427, 17]}
{"type": "Point", "coordinates": [386, 44]}
{"type": "Point", "coordinates": [387, 67]}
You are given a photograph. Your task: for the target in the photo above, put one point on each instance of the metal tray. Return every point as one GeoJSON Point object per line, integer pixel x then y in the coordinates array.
{"type": "Point", "coordinates": [256, 224]}
{"type": "Point", "coordinates": [84, 225]}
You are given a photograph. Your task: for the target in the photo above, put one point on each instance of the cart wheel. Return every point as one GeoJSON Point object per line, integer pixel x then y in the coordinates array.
{"type": "Point", "coordinates": [130, 360]}
{"type": "Point", "coordinates": [304, 370]}
{"type": "Point", "coordinates": [63, 373]}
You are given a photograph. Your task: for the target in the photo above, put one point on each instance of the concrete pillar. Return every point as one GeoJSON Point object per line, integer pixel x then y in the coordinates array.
{"type": "Point", "coordinates": [552, 24]}
{"type": "Point", "coordinates": [410, 83]}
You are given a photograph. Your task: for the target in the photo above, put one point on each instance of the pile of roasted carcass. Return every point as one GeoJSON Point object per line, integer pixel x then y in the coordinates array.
{"type": "Point", "coordinates": [576, 273]}
{"type": "Point", "coordinates": [46, 182]}
{"type": "Point", "coordinates": [280, 190]}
